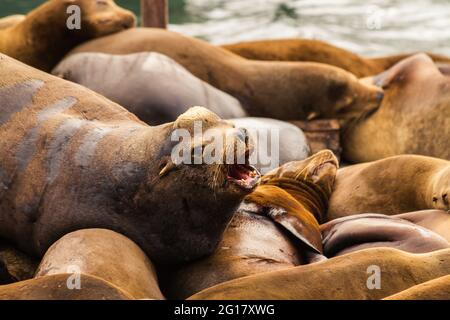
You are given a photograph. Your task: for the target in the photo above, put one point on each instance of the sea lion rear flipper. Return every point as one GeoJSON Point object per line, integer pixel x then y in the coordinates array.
{"type": "Point", "coordinates": [303, 231]}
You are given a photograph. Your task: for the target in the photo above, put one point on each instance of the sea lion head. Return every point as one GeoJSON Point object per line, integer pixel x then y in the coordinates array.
{"type": "Point", "coordinates": [102, 17]}
{"type": "Point", "coordinates": [352, 98]}
{"type": "Point", "coordinates": [441, 190]}
{"type": "Point", "coordinates": [195, 196]}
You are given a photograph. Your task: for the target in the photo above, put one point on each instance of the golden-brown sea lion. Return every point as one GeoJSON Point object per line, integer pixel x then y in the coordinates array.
{"type": "Point", "coordinates": [71, 159]}
{"type": "Point", "coordinates": [370, 230]}
{"type": "Point", "coordinates": [413, 117]}
{"type": "Point", "coordinates": [437, 221]}
{"type": "Point", "coordinates": [390, 186]}
{"type": "Point", "coordinates": [281, 90]}
{"type": "Point", "coordinates": [436, 289]}
{"type": "Point", "coordinates": [43, 37]}
{"type": "Point", "coordinates": [345, 277]}
{"type": "Point", "coordinates": [318, 51]}
{"type": "Point", "coordinates": [275, 227]}
{"type": "Point", "coordinates": [11, 21]}
{"type": "Point", "coordinates": [55, 287]}
{"type": "Point", "coordinates": [106, 255]}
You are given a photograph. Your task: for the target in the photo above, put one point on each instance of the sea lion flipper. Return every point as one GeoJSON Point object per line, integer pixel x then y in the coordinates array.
{"type": "Point", "coordinates": [303, 231]}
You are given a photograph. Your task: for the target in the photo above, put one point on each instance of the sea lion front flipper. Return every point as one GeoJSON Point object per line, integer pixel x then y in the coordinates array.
{"type": "Point", "coordinates": [303, 231]}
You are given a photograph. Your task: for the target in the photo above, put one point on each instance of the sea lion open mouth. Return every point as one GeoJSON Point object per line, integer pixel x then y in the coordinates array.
{"type": "Point", "coordinates": [243, 175]}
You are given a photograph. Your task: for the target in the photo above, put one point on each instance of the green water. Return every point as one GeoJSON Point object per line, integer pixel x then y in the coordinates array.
{"type": "Point", "coordinates": [178, 12]}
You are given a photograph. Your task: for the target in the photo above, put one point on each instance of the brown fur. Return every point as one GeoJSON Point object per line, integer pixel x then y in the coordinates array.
{"type": "Point", "coordinates": [11, 21]}
{"type": "Point", "coordinates": [71, 159]}
{"type": "Point", "coordinates": [275, 228]}
{"type": "Point", "coordinates": [436, 289]}
{"type": "Point", "coordinates": [55, 288]}
{"type": "Point", "coordinates": [281, 90]}
{"type": "Point", "coordinates": [390, 186]}
{"type": "Point", "coordinates": [343, 277]}
{"type": "Point", "coordinates": [413, 117]}
{"type": "Point", "coordinates": [42, 38]}
{"type": "Point", "coordinates": [106, 255]}
{"type": "Point", "coordinates": [318, 51]}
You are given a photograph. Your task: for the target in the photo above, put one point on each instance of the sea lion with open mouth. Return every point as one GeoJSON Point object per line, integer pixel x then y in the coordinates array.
{"type": "Point", "coordinates": [412, 119]}
{"type": "Point", "coordinates": [280, 90]}
{"type": "Point", "coordinates": [43, 37]}
{"type": "Point", "coordinates": [71, 159]}
{"type": "Point", "coordinates": [276, 227]}
{"type": "Point", "coordinates": [391, 186]}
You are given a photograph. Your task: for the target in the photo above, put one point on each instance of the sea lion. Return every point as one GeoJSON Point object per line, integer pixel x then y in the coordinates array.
{"type": "Point", "coordinates": [276, 227]}
{"type": "Point", "coordinates": [11, 21]}
{"type": "Point", "coordinates": [43, 37]}
{"type": "Point", "coordinates": [276, 142]}
{"type": "Point", "coordinates": [319, 51]}
{"type": "Point", "coordinates": [106, 255]}
{"type": "Point", "coordinates": [413, 117]}
{"type": "Point", "coordinates": [17, 265]}
{"type": "Point", "coordinates": [436, 289]}
{"type": "Point", "coordinates": [341, 278]}
{"type": "Point", "coordinates": [391, 186]}
{"type": "Point", "coordinates": [358, 232]}
{"type": "Point", "coordinates": [55, 287]}
{"type": "Point", "coordinates": [152, 86]}
{"type": "Point", "coordinates": [280, 90]}
{"type": "Point", "coordinates": [72, 159]}
{"type": "Point", "coordinates": [437, 221]}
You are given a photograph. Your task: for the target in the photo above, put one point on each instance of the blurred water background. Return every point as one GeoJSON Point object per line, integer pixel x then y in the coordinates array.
{"type": "Point", "coordinates": [367, 27]}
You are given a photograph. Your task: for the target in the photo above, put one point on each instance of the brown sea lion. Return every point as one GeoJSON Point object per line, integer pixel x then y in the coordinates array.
{"type": "Point", "coordinates": [43, 37]}
{"type": "Point", "coordinates": [437, 221]}
{"type": "Point", "coordinates": [17, 266]}
{"type": "Point", "coordinates": [55, 287]}
{"type": "Point", "coordinates": [413, 117]}
{"type": "Point", "coordinates": [347, 277]}
{"type": "Point", "coordinates": [152, 86]}
{"type": "Point", "coordinates": [276, 227]}
{"type": "Point", "coordinates": [390, 186]}
{"type": "Point", "coordinates": [362, 231]}
{"type": "Point", "coordinates": [318, 51]}
{"type": "Point", "coordinates": [106, 255]}
{"type": "Point", "coordinates": [436, 289]}
{"type": "Point", "coordinates": [281, 90]}
{"type": "Point", "coordinates": [71, 159]}
{"type": "Point", "coordinates": [11, 21]}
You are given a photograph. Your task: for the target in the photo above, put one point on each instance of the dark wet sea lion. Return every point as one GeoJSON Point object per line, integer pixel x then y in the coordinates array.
{"type": "Point", "coordinates": [413, 117]}
{"type": "Point", "coordinates": [437, 221]}
{"type": "Point", "coordinates": [318, 51]}
{"type": "Point", "coordinates": [275, 228]}
{"type": "Point", "coordinates": [391, 186]}
{"type": "Point", "coordinates": [43, 38]}
{"type": "Point", "coordinates": [11, 21]}
{"type": "Point", "coordinates": [71, 159]}
{"type": "Point", "coordinates": [104, 254]}
{"type": "Point", "coordinates": [55, 288]}
{"type": "Point", "coordinates": [358, 232]}
{"type": "Point", "coordinates": [340, 278]}
{"type": "Point", "coordinates": [151, 85]}
{"type": "Point", "coordinates": [274, 140]}
{"type": "Point", "coordinates": [281, 90]}
{"type": "Point", "coordinates": [436, 289]}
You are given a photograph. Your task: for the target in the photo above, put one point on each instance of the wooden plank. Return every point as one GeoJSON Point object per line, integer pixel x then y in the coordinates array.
{"type": "Point", "coordinates": [154, 13]}
{"type": "Point", "coordinates": [322, 134]}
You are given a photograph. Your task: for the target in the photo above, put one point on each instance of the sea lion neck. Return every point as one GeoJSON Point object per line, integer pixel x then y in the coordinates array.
{"type": "Point", "coordinates": [310, 195]}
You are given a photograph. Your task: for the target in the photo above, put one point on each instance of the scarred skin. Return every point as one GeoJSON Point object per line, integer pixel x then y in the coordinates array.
{"type": "Point", "coordinates": [276, 227]}
{"type": "Point", "coordinates": [412, 119]}
{"type": "Point", "coordinates": [281, 90]}
{"type": "Point", "coordinates": [391, 186]}
{"type": "Point", "coordinates": [43, 38]}
{"type": "Point", "coordinates": [71, 159]}
{"type": "Point", "coordinates": [343, 277]}
{"type": "Point", "coordinates": [106, 255]}
{"type": "Point", "coordinates": [318, 51]}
